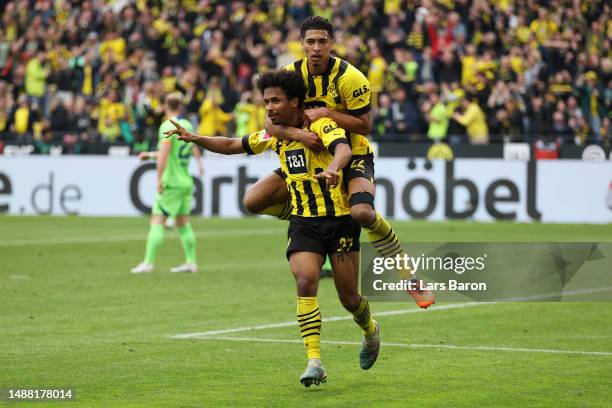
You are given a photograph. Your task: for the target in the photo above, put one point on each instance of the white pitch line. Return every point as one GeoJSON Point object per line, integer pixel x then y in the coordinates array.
{"type": "Point", "coordinates": [119, 238]}
{"type": "Point", "coordinates": [555, 295]}
{"type": "Point", "coordinates": [325, 320]}
{"type": "Point", "coordinates": [198, 335]}
{"type": "Point", "coordinates": [408, 345]}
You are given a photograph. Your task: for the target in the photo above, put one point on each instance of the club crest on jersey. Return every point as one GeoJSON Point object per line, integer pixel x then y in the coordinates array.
{"type": "Point", "coordinates": [331, 90]}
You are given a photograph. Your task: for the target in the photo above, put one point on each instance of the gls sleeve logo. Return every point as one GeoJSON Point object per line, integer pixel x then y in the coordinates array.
{"type": "Point", "coordinates": [330, 127]}
{"type": "Point", "coordinates": [361, 91]}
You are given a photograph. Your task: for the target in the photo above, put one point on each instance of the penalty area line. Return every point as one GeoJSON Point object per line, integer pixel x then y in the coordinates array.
{"type": "Point", "coordinates": [416, 346]}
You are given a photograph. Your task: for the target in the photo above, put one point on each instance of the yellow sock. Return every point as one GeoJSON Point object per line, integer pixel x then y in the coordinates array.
{"type": "Point", "coordinates": [281, 211]}
{"type": "Point", "coordinates": [363, 317]}
{"type": "Point", "coordinates": [309, 321]}
{"type": "Point", "coordinates": [382, 236]}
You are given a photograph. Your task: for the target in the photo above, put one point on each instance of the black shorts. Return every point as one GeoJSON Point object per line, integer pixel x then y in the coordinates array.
{"type": "Point", "coordinates": [322, 235]}
{"type": "Point", "coordinates": [359, 166]}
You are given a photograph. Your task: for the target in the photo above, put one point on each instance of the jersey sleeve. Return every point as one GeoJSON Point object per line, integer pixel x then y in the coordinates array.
{"type": "Point", "coordinates": [330, 133]}
{"type": "Point", "coordinates": [257, 142]}
{"type": "Point", "coordinates": [354, 89]}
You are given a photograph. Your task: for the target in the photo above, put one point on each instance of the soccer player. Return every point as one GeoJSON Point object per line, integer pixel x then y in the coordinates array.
{"type": "Point", "coordinates": [320, 224]}
{"type": "Point", "coordinates": [174, 190]}
{"type": "Point", "coordinates": [339, 91]}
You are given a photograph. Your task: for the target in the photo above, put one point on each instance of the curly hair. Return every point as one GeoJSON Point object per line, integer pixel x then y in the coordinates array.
{"type": "Point", "coordinates": [317, 23]}
{"type": "Point", "coordinates": [289, 81]}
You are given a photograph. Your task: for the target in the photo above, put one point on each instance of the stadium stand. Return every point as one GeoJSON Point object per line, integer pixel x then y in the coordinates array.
{"type": "Point", "coordinates": [91, 74]}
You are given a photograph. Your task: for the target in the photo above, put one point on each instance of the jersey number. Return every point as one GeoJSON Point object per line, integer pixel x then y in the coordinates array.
{"type": "Point", "coordinates": [296, 161]}
{"type": "Point", "coordinates": [184, 153]}
{"type": "Point", "coordinates": [346, 244]}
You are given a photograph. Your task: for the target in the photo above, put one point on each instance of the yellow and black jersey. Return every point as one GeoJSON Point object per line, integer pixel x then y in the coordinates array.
{"type": "Point", "coordinates": [310, 197]}
{"type": "Point", "coordinates": [341, 87]}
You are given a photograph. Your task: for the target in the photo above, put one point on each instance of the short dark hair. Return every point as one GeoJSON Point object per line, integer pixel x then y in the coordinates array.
{"type": "Point", "coordinates": [289, 81]}
{"type": "Point", "coordinates": [317, 23]}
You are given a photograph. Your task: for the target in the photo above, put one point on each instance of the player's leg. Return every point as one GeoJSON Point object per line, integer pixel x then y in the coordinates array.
{"type": "Point", "coordinates": [154, 241]}
{"type": "Point", "coordinates": [361, 188]}
{"type": "Point", "coordinates": [305, 253]}
{"type": "Point", "coordinates": [326, 270]}
{"type": "Point", "coordinates": [345, 264]}
{"type": "Point", "coordinates": [269, 196]}
{"type": "Point", "coordinates": [186, 235]}
{"type": "Point", "coordinates": [305, 267]}
{"type": "Point", "coordinates": [188, 242]}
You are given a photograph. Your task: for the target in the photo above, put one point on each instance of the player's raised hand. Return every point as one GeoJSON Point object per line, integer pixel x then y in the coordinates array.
{"type": "Point", "coordinates": [315, 114]}
{"type": "Point", "coordinates": [180, 132]}
{"type": "Point", "coordinates": [331, 176]}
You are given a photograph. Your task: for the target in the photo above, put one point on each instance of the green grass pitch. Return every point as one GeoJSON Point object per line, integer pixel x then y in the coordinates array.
{"type": "Point", "coordinates": [71, 315]}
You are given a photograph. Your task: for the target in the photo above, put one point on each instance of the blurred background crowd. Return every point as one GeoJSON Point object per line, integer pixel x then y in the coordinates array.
{"type": "Point", "coordinates": [459, 71]}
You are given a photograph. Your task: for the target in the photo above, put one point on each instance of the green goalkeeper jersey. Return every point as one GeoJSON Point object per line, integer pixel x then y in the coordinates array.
{"type": "Point", "coordinates": [176, 173]}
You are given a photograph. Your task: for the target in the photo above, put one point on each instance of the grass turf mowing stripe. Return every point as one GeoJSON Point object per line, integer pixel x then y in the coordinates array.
{"type": "Point", "coordinates": [142, 237]}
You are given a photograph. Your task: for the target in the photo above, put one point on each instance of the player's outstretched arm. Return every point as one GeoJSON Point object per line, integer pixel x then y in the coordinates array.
{"type": "Point", "coordinates": [289, 133]}
{"type": "Point", "coordinates": [342, 155]}
{"type": "Point", "coordinates": [361, 124]}
{"type": "Point", "coordinates": [217, 144]}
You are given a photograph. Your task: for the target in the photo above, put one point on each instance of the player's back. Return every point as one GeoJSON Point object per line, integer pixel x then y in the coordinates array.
{"type": "Point", "coordinates": [177, 166]}
{"type": "Point", "coordinates": [341, 87]}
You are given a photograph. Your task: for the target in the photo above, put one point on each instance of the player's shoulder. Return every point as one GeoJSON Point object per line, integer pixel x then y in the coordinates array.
{"type": "Point", "coordinates": [352, 78]}
{"type": "Point", "coordinates": [324, 126]}
{"type": "Point", "coordinates": [260, 137]}
{"type": "Point", "coordinates": [186, 123]}
{"type": "Point", "coordinates": [295, 65]}
{"type": "Point", "coordinates": [350, 71]}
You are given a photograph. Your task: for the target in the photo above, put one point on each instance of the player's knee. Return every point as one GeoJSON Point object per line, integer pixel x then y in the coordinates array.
{"type": "Point", "coordinates": [306, 286]}
{"type": "Point", "coordinates": [363, 214]}
{"type": "Point", "coordinates": [362, 208]}
{"type": "Point", "coordinates": [181, 220]}
{"type": "Point", "coordinates": [251, 203]}
{"type": "Point", "coordinates": [350, 301]}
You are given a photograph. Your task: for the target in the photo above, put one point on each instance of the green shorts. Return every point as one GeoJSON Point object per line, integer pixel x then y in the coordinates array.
{"type": "Point", "coordinates": [173, 201]}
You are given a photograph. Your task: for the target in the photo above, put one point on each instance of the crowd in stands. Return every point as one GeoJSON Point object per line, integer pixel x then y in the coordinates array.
{"type": "Point", "coordinates": [476, 71]}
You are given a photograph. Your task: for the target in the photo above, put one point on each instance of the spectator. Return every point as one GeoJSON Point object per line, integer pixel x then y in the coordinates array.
{"type": "Point", "coordinates": [383, 122]}
{"type": "Point", "coordinates": [473, 118]}
{"type": "Point", "coordinates": [437, 118]}
{"type": "Point", "coordinates": [559, 129]}
{"type": "Point", "coordinates": [213, 120]}
{"type": "Point", "coordinates": [376, 73]}
{"type": "Point", "coordinates": [36, 73]}
{"type": "Point", "coordinates": [555, 51]}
